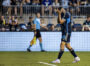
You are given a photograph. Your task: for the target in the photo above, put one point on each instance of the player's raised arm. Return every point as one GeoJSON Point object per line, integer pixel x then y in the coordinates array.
{"type": "Point", "coordinates": [61, 21]}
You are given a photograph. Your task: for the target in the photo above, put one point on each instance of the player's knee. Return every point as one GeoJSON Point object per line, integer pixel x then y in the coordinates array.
{"type": "Point", "coordinates": [40, 39]}
{"type": "Point", "coordinates": [71, 49]}
{"type": "Point", "coordinates": [61, 49]}
{"type": "Point", "coordinates": [62, 45]}
{"type": "Point", "coordinates": [68, 46]}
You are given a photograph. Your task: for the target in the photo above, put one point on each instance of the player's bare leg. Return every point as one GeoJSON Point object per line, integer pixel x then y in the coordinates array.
{"type": "Point", "coordinates": [76, 58]}
{"type": "Point", "coordinates": [40, 42]}
{"type": "Point", "coordinates": [62, 45]}
{"type": "Point", "coordinates": [31, 44]}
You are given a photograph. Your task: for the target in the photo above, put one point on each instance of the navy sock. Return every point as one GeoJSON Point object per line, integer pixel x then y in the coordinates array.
{"type": "Point", "coordinates": [29, 46]}
{"type": "Point", "coordinates": [73, 52]}
{"type": "Point", "coordinates": [60, 54]}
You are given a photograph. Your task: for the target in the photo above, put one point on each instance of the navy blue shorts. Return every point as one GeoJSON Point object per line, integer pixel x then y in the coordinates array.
{"type": "Point", "coordinates": [38, 34]}
{"type": "Point", "coordinates": [66, 37]}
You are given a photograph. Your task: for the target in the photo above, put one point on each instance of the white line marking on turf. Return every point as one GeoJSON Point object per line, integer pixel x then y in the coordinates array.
{"type": "Point", "coordinates": [47, 64]}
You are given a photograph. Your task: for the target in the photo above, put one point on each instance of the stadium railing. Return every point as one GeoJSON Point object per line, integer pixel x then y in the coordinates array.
{"type": "Point", "coordinates": [30, 10]}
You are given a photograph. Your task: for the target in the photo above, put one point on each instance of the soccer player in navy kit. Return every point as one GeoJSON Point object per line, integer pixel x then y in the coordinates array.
{"type": "Point", "coordinates": [37, 33]}
{"type": "Point", "coordinates": [64, 18]}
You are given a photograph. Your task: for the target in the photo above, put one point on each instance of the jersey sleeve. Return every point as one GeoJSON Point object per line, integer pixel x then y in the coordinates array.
{"type": "Point", "coordinates": [34, 22]}
{"type": "Point", "coordinates": [68, 17]}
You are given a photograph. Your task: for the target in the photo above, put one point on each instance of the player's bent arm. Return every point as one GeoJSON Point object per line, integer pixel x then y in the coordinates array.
{"type": "Point", "coordinates": [34, 28]}
{"type": "Point", "coordinates": [61, 20]}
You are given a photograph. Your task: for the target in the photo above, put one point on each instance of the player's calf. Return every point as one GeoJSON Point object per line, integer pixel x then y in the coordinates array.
{"type": "Point", "coordinates": [76, 58]}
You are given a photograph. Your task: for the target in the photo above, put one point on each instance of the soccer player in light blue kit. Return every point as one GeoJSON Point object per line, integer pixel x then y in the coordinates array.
{"type": "Point", "coordinates": [37, 33]}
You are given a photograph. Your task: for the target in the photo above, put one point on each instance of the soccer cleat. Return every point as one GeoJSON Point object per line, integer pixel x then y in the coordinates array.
{"type": "Point", "coordinates": [56, 61]}
{"type": "Point", "coordinates": [77, 59]}
{"type": "Point", "coordinates": [43, 51]}
{"type": "Point", "coordinates": [28, 50]}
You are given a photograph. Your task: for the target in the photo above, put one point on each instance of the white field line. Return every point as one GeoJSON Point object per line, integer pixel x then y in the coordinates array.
{"type": "Point", "coordinates": [47, 64]}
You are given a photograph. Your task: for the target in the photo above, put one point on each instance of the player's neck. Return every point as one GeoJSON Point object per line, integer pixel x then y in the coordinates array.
{"type": "Point", "coordinates": [37, 17]}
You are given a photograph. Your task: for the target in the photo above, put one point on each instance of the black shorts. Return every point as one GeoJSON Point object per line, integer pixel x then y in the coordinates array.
{"type": "Point", "coordinates": [38, 34]}
{"type": "Point", "coordinates": [66, 37]}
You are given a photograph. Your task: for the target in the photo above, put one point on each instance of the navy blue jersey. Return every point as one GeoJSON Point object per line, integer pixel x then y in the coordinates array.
{"type": "Point", "coordinates": [66, 26]}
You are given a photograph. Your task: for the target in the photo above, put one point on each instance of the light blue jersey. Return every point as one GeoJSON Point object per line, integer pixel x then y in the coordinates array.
{"type": "Point", "coordinates": [37, 22]}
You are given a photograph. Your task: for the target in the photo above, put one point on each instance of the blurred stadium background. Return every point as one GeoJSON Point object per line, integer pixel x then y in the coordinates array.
{"type": "Point", "coordinates": [16, 37]}
{"type": "Point", "coordinates": [23, 11]}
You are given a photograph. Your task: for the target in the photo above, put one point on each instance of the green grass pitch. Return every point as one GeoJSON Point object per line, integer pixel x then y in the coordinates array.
{"type": "Point", "coordinates": [33, 59]}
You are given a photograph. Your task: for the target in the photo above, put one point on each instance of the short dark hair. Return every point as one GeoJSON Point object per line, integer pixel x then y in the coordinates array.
{"type": "Point", "coordinates": [60, 8]}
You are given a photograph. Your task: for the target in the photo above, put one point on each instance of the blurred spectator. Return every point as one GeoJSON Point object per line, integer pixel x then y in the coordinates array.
{"type": "Point", "coordinates": [1, 7]}
{"type": "Point", "coordinates": [88, 2]}
{"type": "Point", "coordinates": [74, 3]}
{"type": "Point", "coordinates": [37, 7]}
{"type": "Point", "coordinates": [83, 2]}
{"type": "Point", "coordinates": [21, 2]}
{"type": "Point", "coordinates": [1, 2]}
{"type": "Point", "coordinates": [36, 2]}
{"type": "Point", "coordinates": [30, 23]}
{"type": "Point", "coordinates": [86, 24]}
{"type": "Point", "coordinates": [77, 27]}
{"type": "Point", "coordinates": [43, 23]}
{"type": "Point", "coordinates": [55, 6]}
{"type": "Point", "coordinates": [13, 22]}
{"type": "Point", "coordinates": [6, 5]}
{"type": "Point", "coordinates": [83, 10]}
{"type": "Point", "coordinates": [74, 6]}
{"type": "Point", "coordinates": [2, 23]}
{"type": "Point", "coordinates": [27, 9]}
{"type": "Point", "coordinates": [14, 6]}
{"type": "Point", "coordinates": [56, 3]}
{"type": "Point", "coordinates": [64, 3]}
{"type": "Point", "coordinates": [40, 1]}
{"type": "Point", "coordinates": [46, 6]}
{"type": "Point", "coordinates": [51, 27]}
{"type": "Point", "coordinates": [28, 2]}
{"type": "Point", "coordinates": [88, 8]}
{"type": "Point", "coordinates": [58, 27]}
{"type": "Point", "coordinates": [23, 27]}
